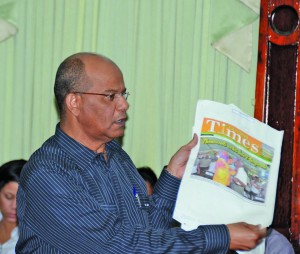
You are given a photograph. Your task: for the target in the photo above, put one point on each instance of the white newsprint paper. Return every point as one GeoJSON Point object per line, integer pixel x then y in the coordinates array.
{"type": "Point", "coordinates": [231, 175]}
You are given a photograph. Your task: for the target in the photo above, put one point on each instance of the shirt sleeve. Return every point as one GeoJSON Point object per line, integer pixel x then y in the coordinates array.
{"type": "Point", "coordinates": [62, 217]}
{"type": "Point", "coordinates": [163, 200]}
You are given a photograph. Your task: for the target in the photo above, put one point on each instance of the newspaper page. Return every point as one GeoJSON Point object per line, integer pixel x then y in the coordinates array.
{"type": "Point", "coordinates": [231, 175]}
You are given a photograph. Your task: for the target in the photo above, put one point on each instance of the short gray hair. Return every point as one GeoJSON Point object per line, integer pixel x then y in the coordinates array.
{"type": "Point", "coordinates": [70, 76]}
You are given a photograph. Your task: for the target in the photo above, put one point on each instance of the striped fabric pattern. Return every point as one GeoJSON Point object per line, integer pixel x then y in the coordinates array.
{"type": "Point", "coordinates": [71, 200]}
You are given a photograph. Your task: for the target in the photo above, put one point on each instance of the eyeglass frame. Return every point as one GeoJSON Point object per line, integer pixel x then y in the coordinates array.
{"type": "Point", "coordinates": [110, 97]}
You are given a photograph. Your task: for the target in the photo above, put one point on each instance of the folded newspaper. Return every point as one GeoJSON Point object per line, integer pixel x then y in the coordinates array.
{"type": "Point", "coordinates": [231, 175]}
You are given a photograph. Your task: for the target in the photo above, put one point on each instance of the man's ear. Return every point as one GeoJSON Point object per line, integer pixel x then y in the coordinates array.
{"type": "Point", "coordinates": [73, 103]}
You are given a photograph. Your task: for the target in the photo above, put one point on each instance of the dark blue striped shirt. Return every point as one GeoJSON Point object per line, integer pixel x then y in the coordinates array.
{"type": "Point", "coordinates": [71, 200]}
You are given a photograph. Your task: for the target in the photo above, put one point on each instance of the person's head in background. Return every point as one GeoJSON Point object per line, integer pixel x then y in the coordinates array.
{"type": "Point", "coordinates": [149, 177]}
{"type": "Point", "coordinates": [9, 184]}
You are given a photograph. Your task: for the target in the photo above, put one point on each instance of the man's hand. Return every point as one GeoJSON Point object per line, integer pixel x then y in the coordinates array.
{"type": "Point", "coordinates": [245, 236]}
{"type": "Point", "coordinates": [178, 162]}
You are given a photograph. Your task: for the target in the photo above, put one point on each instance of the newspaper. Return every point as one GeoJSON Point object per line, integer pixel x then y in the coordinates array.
{"type": "Point", "coordinates": [231, 175]}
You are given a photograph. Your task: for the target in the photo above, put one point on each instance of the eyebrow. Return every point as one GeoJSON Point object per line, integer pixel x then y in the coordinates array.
{"type": "Point", "coordinates": [114, 91]}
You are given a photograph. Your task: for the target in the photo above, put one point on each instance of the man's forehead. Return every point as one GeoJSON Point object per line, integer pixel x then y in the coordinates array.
{"type": "Point", "coordinates": [100, 65]}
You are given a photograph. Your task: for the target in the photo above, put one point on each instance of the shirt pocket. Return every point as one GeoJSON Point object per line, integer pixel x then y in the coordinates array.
{"type": "Point", "coordinates": [142, 202]}
{"type": "Point", "coordinates": [111, 209]}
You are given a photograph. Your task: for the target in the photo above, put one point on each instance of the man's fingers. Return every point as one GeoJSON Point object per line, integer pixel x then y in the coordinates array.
{"type": "Point", "coordinates": [245, 236]}
{"type": "Point", "coordinates": [262, 232]}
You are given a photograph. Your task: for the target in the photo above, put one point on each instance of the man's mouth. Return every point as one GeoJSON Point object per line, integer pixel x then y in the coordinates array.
{"type": "Point", "coordinates": [121, 121]}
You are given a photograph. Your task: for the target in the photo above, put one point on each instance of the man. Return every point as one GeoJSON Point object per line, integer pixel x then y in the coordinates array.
{"type": "Point", "coordinates": [81, 193]}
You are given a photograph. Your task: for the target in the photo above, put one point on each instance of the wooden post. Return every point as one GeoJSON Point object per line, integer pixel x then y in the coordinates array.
{"type": "Point", "coordinates": [278, 103]}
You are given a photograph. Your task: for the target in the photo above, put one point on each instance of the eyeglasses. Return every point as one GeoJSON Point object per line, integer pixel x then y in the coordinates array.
{"type": "Point", "coordinates": [111, 96]}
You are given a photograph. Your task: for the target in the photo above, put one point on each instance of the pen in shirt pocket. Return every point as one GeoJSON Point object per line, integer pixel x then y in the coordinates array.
{"type": "Point", "coordinates": [136, 195]}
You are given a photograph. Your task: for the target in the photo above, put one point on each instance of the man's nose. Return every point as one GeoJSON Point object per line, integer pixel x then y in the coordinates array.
{"type": "Point", "coordinates": [122, 103]}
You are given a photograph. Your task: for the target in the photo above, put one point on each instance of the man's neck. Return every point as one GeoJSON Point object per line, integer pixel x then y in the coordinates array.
{"type": "Point", "coordinates": [75, 133]}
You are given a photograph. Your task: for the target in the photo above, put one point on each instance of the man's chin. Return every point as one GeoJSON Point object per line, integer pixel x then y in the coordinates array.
{"type": "Point", "coordinates": [119, 137]}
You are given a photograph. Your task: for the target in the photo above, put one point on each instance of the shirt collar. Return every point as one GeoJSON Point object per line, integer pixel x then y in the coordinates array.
{"type": "Point", "coordinates": [78, 151]}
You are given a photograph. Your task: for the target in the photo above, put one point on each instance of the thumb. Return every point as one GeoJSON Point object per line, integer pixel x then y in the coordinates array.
{"type": "Point", "coordinates": [193, 142]}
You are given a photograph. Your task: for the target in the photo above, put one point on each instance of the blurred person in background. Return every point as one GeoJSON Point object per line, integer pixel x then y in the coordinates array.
{"type": "Point", "coordinates": [150, 178]}
{"type": "Point", "coordinates": [9, 184]}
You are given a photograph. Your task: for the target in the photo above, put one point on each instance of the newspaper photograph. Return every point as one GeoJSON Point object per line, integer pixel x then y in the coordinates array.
{"type": "Point", "coordinates": [231, 175]}
{"type": "Point", "coordinates": [230, 157]}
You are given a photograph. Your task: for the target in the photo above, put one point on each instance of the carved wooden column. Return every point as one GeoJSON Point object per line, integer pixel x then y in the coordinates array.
{"type": "Point", "coordinates": [278, 104]}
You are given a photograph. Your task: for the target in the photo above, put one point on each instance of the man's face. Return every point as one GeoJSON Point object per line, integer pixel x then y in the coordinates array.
{"type": "Point", "coordinates": [102, 120]}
